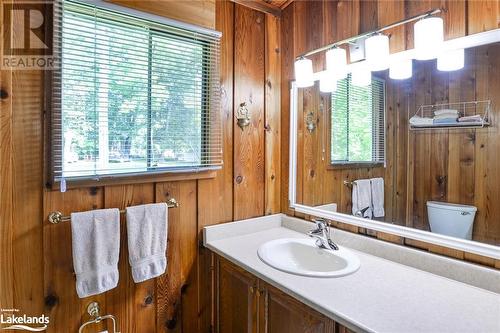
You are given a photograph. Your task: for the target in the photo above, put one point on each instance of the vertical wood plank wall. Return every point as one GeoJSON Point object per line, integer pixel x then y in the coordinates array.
{"type": "Point", "coordinates": [309, 24]}
{"type": "Point", "coordinates": [36, 274]}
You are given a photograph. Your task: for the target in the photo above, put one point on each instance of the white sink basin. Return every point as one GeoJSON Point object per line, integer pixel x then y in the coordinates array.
{"type": "Point", "coordinates": [302, 257]}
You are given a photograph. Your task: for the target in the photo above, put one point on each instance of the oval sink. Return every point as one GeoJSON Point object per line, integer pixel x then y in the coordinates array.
{"type": "Point", "coordinates": [302, 257]}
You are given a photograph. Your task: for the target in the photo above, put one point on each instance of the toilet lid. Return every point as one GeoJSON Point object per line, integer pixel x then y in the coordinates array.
{"type": "Point", "coordinates": [451, 206]}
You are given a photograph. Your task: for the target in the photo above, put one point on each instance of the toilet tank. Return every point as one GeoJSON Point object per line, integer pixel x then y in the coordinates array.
{"type": "Point", "coordinates": [451, 219]}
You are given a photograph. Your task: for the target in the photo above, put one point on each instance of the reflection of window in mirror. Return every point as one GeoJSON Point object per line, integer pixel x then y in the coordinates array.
{"type": "Point", "coordinates": [357, 124]}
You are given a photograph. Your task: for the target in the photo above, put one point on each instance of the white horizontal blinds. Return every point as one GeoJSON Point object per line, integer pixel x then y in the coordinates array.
{"type": "Point", "coordinates": [357, 122]}
{"type": "Point", "coordinates": [133, 95]}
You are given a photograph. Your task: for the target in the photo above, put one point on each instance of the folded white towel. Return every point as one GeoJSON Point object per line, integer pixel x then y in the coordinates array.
{"type": "Point", "coordinates": [473, 119]}
{"type": "Point", "coordinates": [362, 198]}
{"type": "Point", "coordinates": [446, 111]}
{"type": "Point", "coordinates": [147, 240]}
{"type": "Point", "coordinates": [417, 120]}
{"type": "Point", "coordinates": [446, 116]}
{"type": "Point", "coordinates": [95, 237]}
{"type": "Point", "coordinates": [378, 196]}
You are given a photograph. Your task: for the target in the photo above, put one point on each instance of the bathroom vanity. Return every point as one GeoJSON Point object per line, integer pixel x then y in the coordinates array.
{"type": "Point", "coordinates": [395, 289]}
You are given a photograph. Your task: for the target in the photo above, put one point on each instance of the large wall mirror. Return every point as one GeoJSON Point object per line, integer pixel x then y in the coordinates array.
{"type": "Point", "coordinates": [418, 157]}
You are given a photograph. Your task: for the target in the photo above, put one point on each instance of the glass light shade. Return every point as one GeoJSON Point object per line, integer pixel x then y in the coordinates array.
{"type": "Point", "coordinates": [401, 70]}
{"type": "Point", "coordinates": [304, 73]}
{"type": "Point", "coordinates": [361, 76]}
{"type": "Point", "coordinates": [451, 60]}
{"type": "Point", "coordinates": [327, 83]}
{"type": "Point", "coordinates": [377, 52]}
{"type": "Point", "coordinates": [429, 37]}
{"type": "Point", "coordinates": [336, 63]}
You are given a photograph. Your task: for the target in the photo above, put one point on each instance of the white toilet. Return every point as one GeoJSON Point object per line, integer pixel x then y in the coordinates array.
{"type": "Point", "coordinates": [451, 219]}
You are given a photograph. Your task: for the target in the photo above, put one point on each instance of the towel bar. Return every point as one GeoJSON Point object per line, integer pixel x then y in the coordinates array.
{"type": "Point", "coordinates": [57, 217]}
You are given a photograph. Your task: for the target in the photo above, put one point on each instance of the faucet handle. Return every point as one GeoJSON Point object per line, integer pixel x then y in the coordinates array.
{"type": "Point", "coordinates": [320, 223]}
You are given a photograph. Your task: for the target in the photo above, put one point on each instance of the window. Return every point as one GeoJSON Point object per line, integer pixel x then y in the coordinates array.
{"type": "Point", "coordinates": [132, 95]}
{"type": "Point", "coordinates": [357, 123]}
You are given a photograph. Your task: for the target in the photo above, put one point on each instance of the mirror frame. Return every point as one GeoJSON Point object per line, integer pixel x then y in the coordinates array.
{"type": "Point", "coordinates": [470, 246]}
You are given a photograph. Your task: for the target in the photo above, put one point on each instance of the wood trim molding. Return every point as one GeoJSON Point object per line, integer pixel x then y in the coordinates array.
{"type": "Point", "coordinates": [137, 179]}
{"type": "Point", "coordinates": [260, 6]}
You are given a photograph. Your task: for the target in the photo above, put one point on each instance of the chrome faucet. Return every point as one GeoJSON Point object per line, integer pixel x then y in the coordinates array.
{"type": "Point", "coordinates": [322, 235]}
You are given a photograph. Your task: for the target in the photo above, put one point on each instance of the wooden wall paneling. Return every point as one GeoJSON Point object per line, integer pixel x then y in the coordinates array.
{"type": "Point", "coordinates": [27, 164]}
{"type": "Point", "coordinates": [177, 290]}
{"type": "Point", "coordinates": [287, 61]}
{"type": "Point", "coordinates": [487, 147]}
{"type": "Point", "coordinates": [461, 142]}
{"type": "Point", "coordinates": [6, 190]}
{"type": "Point", "coordinates": [439, 141]}
{"type": "Point", "coordinates": [272, 115]}
{"type": "Point", "coordinates": [133, 304]}
{"type": "Point", "coordinates": [482, 15]}
{"type": "Point", "coordinates": [400, 108]}
{"type": "Point", "coordinates": [421, 167]}
{"type": "Point", "coordinates": [198, 12]}
{"type": "Point", "coordinates": [389, 12]}
{"type": "Point", "coordinates": [311, 187]}
{"type": "Point", "coordinates": [249, 77]}
{"type": "Point", "coordinates": [66, 311]}
{"type": "Point", "coordinates": [215, 196]}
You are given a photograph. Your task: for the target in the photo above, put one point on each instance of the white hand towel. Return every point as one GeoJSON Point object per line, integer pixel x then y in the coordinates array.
{"type": "Point", "coordinates": [147, 240]}
{"type": "Point", "coordinates": [362, 198]}
{"type": "Point", "coordinates": [378, 197]}
{"type": "Point", "coordinates": [96, 248]}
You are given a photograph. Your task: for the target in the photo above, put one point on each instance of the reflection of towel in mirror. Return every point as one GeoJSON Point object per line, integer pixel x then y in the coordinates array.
{"type": "Point", "coordinates": [378, 196]}
{"type": "Point", "coordinates": [362, 198]}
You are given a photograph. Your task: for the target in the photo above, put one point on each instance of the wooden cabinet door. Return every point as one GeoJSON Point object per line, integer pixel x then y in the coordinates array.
{"type": "Point", "coordinates": [280, 313]}
{"type": "Point", "coordinates": [236, 299]}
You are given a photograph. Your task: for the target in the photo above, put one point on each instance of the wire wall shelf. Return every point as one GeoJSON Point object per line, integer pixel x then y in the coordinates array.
{"type": "Point", "coordinates": [480, 109]}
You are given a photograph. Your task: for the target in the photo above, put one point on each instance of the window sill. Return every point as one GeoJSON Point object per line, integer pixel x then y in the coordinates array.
{"type": "Point", "coordinates": [142, 178]}
{"type": "Point", "coordinates": [359, 165]}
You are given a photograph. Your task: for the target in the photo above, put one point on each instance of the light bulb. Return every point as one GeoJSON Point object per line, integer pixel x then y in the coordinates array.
{"type": "Point", "coordinates": [429, 37]}
{"type": "Point", "coordinates": [451, 60]}
{"type": "Point", "coordinates": [377, 52]}
{"type": "Point", "coordinates": [304, 73]}
{"type": "Point", "coordinates": [327, 83]}
{"type": "Point", "coordinates": [336, 63]}
{"type": "Point", "coordinates": [401, 70]}
{"type": "Point", "coordinates": [361, 76]}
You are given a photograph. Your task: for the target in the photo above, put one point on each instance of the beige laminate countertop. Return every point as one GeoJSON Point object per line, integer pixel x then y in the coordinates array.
{"type": "Point", "coordinates": [382, 296]}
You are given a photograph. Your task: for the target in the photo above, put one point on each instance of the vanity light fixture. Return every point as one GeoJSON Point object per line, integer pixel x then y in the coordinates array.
{"type": "Point", "coordinates": [304, 72]}
{"type": "Point", "coordinates": [377, 52]}
{"type": "Point", "coordinates": [361, 76]}
{"type": "Point", "coordinates": [428, 38]}
{"type": "Point", "coordinates": [401, 70]}
{"type": "Point", "coordinates": [336, 62]}
{"type": "Point", "coordinates": [327, 83]}
{"type": "Point", "coordinates": [451, 60]}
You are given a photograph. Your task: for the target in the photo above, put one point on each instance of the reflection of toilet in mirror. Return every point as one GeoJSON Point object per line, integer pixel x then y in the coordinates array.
{"type": "Point", "coordinates": [451, 219]}
{"type": "Point", "coordinates": [331, 207]}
